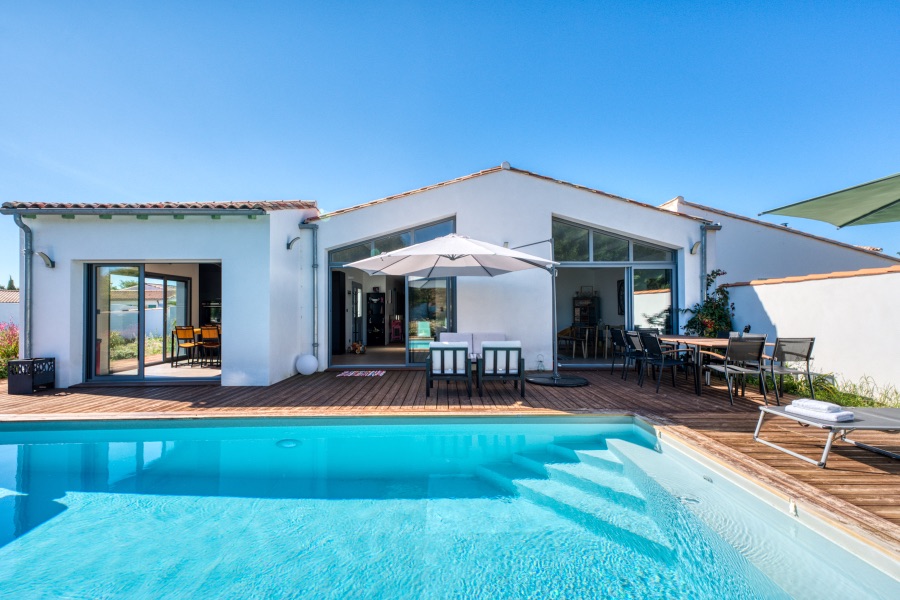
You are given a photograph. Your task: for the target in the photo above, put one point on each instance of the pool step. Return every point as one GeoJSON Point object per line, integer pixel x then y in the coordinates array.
{"type": "Point", "coordinates": [603, 502]}
{"type": "Point", "coordinates": [592, 453]}
{"type": "Point", "coordinates": [612, 486]}
{"type": "Point", "coordinates": [561, 464]}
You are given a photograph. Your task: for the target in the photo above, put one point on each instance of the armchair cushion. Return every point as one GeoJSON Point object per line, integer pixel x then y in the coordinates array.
{"type": "Point", "coordinates": [449, 358]}
{"type": "Point", "coordinates": [480, 339]}
{"type": "Point", "coordinates": [497, 356]}
{"type": "Point", "coordinates": [452, 336]}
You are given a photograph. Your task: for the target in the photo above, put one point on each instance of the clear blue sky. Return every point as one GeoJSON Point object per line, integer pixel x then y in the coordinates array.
{"type": "Point", "coordinates": [740, 105]}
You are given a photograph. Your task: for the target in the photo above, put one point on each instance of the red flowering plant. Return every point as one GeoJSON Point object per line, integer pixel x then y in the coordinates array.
{"type": "Point", "coordinates": [9, 345]}
{"type": "Point", "coordinates": [714, 314]}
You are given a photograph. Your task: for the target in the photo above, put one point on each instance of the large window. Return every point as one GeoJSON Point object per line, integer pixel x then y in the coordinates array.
{"type": "Point", "coordinates": [395, 241]}
{"type": "Point", "coordinates": [579, 243]}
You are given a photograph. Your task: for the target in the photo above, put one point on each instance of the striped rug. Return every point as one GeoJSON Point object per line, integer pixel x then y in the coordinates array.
{"type": "Point", "coordinates": [361, 373]}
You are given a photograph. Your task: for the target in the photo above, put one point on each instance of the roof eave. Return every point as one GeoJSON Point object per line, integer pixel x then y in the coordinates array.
{"type": "Point", "coordinates": [125, 212]}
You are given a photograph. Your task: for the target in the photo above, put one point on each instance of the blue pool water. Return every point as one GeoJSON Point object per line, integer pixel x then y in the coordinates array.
{"type": "Point", "coordinates": [409, 508]}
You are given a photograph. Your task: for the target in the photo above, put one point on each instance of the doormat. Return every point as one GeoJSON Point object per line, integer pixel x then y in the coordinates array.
{"type": "Point", "coordinates": [361, 373]}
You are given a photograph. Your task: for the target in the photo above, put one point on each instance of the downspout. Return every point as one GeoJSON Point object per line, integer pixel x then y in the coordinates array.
{"type": "Point", "coordinates": [315, 283]}
{"type": "Point", "coordinates": [703, 229]}
{"type": "Point", "coordinates": [28, 252]}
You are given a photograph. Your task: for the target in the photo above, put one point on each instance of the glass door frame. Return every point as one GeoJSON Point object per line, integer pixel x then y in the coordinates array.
{"type": "Point", "coordinates": [90, 363]}
{"type": "Point", "coordinates": [90, 326]}
{"type": "Point", "coordinates": [451, 312]}
{"type": "Point", "coordinates": [187, 301]}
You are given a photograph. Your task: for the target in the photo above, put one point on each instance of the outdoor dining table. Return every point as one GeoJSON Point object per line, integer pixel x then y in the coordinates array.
{"type": "Point", "coordinates": [697, 342]}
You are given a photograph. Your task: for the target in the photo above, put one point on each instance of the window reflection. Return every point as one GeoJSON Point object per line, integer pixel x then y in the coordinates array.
{"type": "Point", "coordinates": [570, 243]}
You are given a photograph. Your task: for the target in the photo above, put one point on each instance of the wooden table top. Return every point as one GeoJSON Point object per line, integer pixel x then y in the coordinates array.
{"type": "Point", "coordinates": [695, 340]}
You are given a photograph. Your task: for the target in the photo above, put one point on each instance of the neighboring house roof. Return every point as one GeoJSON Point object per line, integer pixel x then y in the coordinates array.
{"type": "Point", "coordinates": [819, 276]}
{"type": "Point", "coordinates": [151, 207]}
{"type": "Point", "coordinates": [9, 296]}
{"type": "Point", "coordinates": [503, 167]}
{"type": "Point", "coordinates": [152, 291]}
{"type": "Point", "coordinates": [724, 213]}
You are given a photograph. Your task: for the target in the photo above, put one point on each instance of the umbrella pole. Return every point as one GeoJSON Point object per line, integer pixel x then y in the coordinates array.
{"type": "Point", "coordinates": [555, 379]}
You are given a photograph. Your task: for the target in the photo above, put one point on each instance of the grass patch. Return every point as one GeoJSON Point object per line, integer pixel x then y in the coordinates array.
{"type": "Point", "coordinates": [864, 393]}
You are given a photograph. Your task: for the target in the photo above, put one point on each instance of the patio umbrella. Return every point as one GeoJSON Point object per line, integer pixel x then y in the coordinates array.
{"type": "Point", "coordinates": [460, 256]}
{"type": "Point", "coordinates": [873, 202]}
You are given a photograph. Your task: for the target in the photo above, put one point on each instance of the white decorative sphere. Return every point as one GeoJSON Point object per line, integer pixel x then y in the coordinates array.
{"type": "Point", "coordinates": [307, 364]}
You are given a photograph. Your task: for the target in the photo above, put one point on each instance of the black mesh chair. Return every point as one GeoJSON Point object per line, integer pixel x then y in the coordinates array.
{"type": "Point", "coordinates": [619, 349]}
{"type": "Point", "coordinates": [656, 356]}
{"type": "Point", "coordinates": [790, 350]}
{"type": "Point", "coordinates": [742, 357]}
{"type": "Point", "coordinates": [635, 353]}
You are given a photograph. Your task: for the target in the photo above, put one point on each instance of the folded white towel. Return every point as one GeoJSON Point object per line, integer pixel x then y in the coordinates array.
{"type": "Point", "coordinates": [838, 417]}
{"type": "Point", "coordinates": [818, 405]}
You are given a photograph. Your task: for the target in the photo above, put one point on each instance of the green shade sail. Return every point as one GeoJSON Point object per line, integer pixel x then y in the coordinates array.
{"type": "Point", "coordinates": [874, 202]}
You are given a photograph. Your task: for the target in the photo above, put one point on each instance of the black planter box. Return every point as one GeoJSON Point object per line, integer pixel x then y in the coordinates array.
{"type": "Point", "coordinates": [28, 374]}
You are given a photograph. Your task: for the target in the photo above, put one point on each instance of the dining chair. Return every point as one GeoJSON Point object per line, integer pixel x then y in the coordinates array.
{"type": "Point", "coordinates": [184, 338]}
{"type": "Point", "coordinates": [656, 356]}
{"type": "Point", "coordinates": [211, 344]}
{"type": "Point", "coordinates": [742, 357]}
{"type": "Point", "coordinates": [790, 350]}
{"type": "Point", "coordinates": [635, 352]}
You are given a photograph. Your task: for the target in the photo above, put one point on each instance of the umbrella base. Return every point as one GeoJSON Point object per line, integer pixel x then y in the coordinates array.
{"type": "Point", "coordinates": [558, 380]}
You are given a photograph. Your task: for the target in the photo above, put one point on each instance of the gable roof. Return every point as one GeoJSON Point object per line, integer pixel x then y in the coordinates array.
{"type": "Point", "coordinates": [503, 167]}
{"type": "Point", "coordinates": [151, 208]}
{"type": "Point", "coordinates": [865, 249]}
{"type": "Point", "coordinates": [9, 296]}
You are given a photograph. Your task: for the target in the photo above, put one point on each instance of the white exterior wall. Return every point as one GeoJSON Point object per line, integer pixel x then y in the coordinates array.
{"type": "Point", "coordinates": [9, 313]}
{"type": "Point", "coordinates": [853, 320]}
{"type": "Point", "coordinates": [507, 206]}
{"type": "Point", "coordinates": [244, 247]}
{"type": "Point", "coordinates": [748, 250]}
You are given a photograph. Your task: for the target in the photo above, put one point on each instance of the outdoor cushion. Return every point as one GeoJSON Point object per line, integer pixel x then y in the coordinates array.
{"type": "Point", "coordinates": [452, 336]}
{"type": "Point", "coordinates": [481, 338]}
{"type": "Point", "coordinates": [444, 351]}
{"type": "Point", "coordinates": [513, 348]}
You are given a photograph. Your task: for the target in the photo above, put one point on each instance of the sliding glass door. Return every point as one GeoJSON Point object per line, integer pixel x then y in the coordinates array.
{"type": "Point", "coordinates": [652, 299]}
{"type": "Point", "coordinates": [430, 313]}
{"type": "Point", "coordinates": [133, 316]}
{"type": "Point", "coordinates": [117, 321]}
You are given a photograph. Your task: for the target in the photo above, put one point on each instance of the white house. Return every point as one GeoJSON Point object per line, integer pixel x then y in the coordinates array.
{"type": "Point", "coordinates": [219, 262]}
{"type": "Point", "coordinates": [9, 306]}
{"type": "Point", "coordinates": [275, 276]}
{"type": "Point", "coordinates": [753, 249]}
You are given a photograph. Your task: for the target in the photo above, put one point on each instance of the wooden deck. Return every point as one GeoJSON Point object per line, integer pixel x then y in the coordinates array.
{"type": "Point", "coordinates": [859, 489]}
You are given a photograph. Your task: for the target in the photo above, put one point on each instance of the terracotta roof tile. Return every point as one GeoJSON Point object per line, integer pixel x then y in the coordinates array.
{"type": "Point", "coordinates": [819, 276]}
{"type": "Point", "coordinates": [9, 296]}
{"type": "Point", "coordinates": [267, 206]}
{"type": "Point", "coordinates": [494, 170]}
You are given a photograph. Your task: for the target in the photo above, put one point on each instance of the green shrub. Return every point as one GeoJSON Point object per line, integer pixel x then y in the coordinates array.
{"type": "Point", "coordinates": [714, 314]}
{"type": "Point", "coordinates": [9, 346]}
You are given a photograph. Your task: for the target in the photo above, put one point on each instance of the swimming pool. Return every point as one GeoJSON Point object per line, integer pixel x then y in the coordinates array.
{"type": "Point", "coordinates": [409, 508]}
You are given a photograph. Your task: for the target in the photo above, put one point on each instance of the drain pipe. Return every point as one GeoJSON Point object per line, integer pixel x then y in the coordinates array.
{"type": "Point", "coordinates": [28, 252]}
{"type": "Point", "coordinates": [315, 283]}
{"type": "Point", "coordinates": [703, 229]}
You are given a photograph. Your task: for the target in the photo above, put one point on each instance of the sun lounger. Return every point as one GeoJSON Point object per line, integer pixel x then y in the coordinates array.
{"type": "Point", "coordinates": [865, 419]}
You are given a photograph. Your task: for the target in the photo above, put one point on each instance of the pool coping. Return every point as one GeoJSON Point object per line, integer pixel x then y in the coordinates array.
{"type": "Point", "coordinates": [864, 526]}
